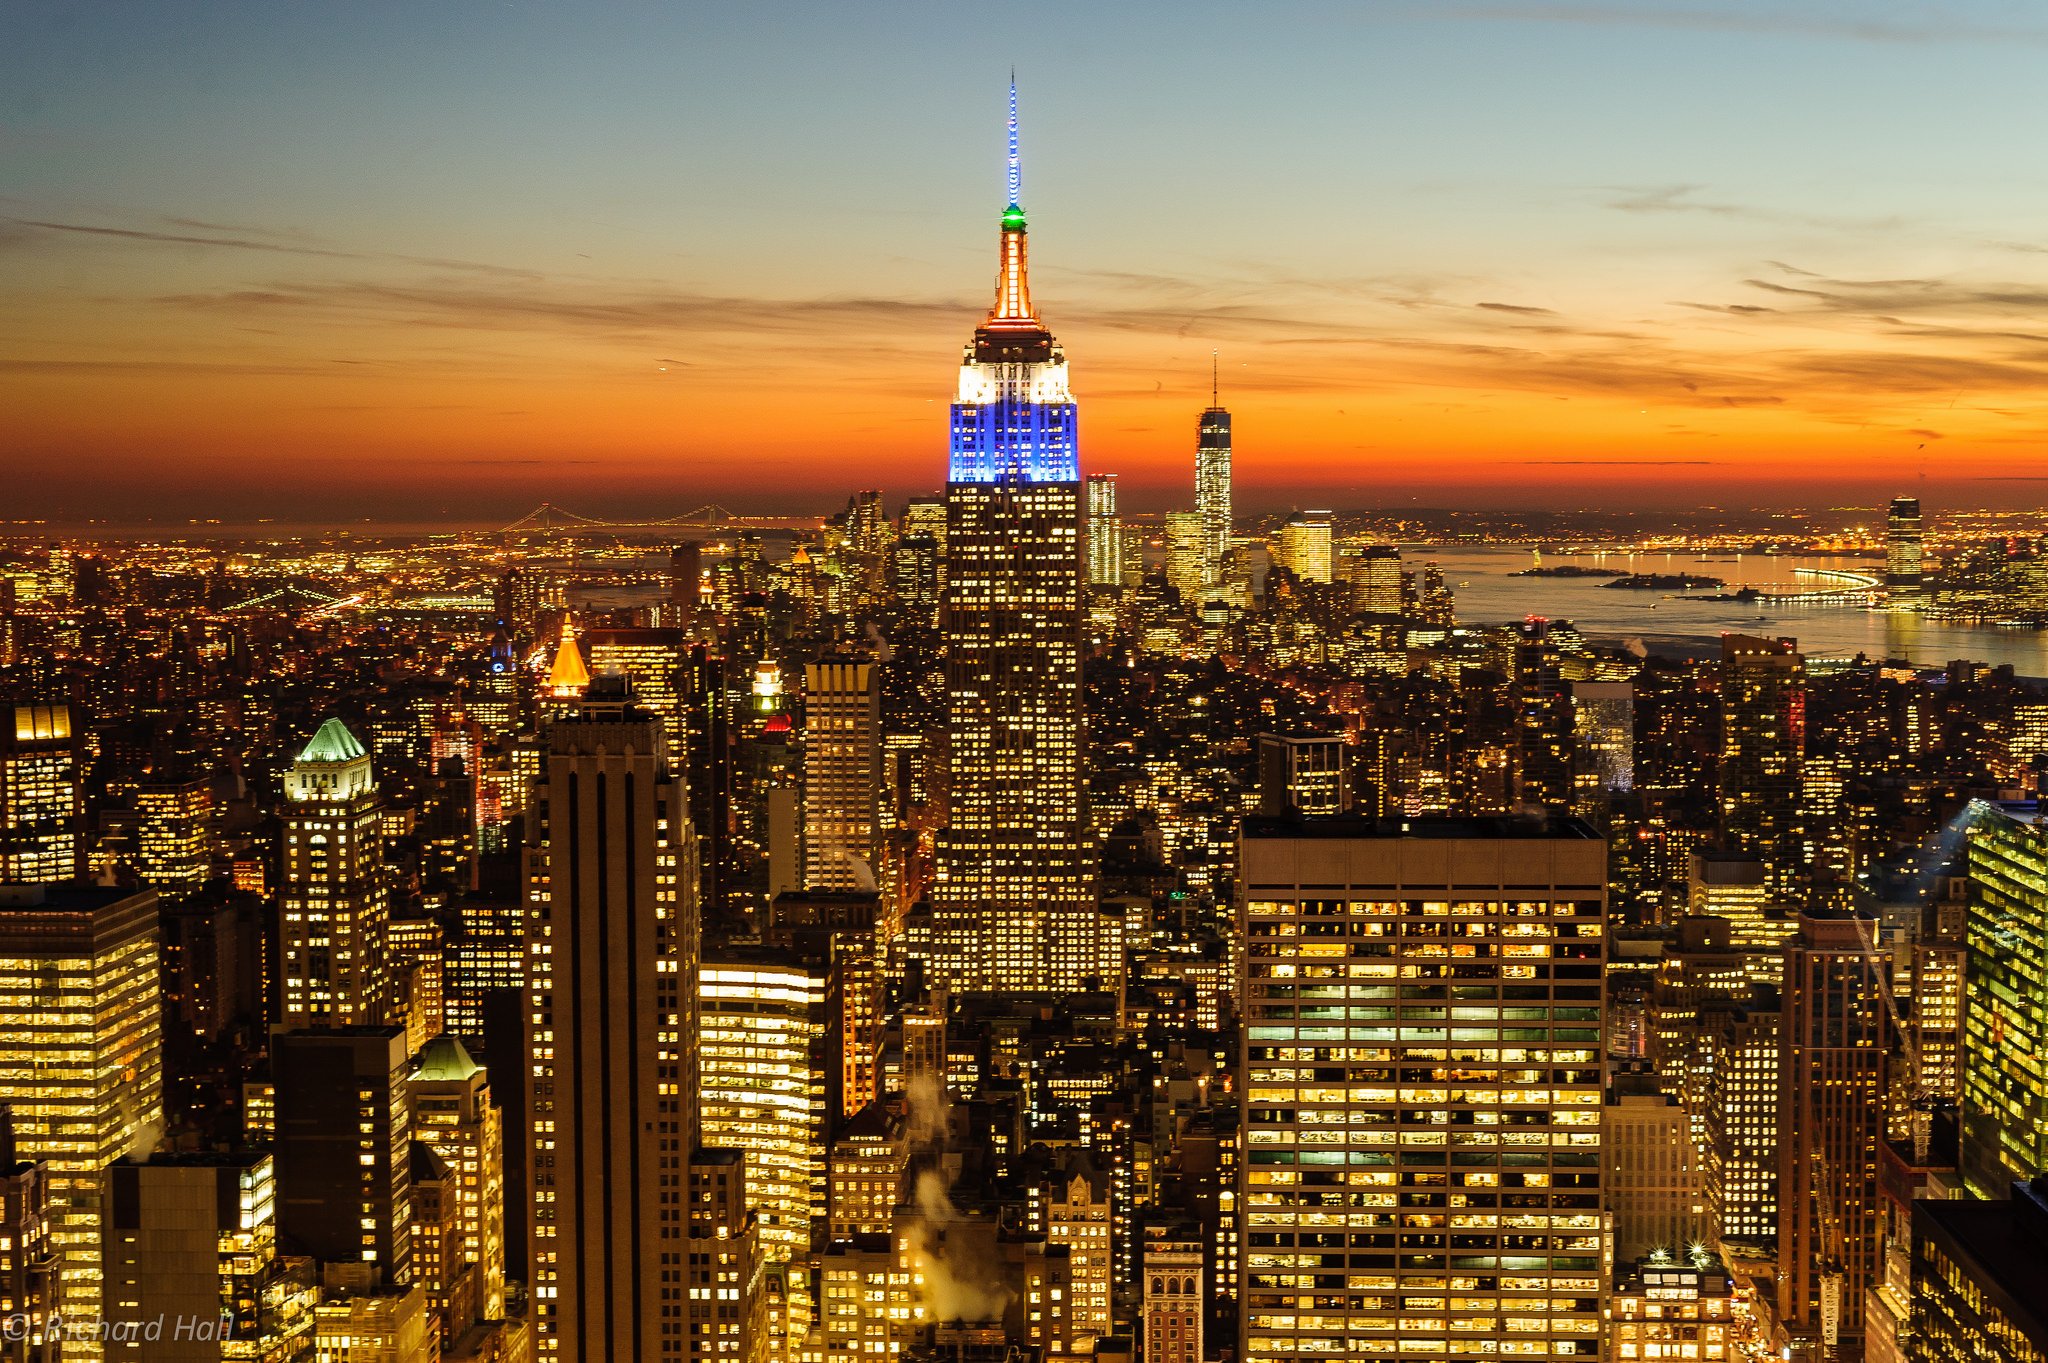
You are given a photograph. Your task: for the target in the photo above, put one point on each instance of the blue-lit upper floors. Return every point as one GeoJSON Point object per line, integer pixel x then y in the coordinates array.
{"type": "Point", "coordinates": [1015, 438]}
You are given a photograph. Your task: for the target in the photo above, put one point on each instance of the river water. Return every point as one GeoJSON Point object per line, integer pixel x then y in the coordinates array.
{"type": "Point", "coordinates": [1488, 593]}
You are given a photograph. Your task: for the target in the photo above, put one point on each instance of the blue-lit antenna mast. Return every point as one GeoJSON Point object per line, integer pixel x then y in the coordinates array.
{"type": "Point", "coordinates": [1016, 166]}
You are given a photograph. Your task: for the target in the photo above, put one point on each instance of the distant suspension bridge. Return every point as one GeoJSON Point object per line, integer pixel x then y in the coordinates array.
{"type": "Point", "coordinates": [547, 518]}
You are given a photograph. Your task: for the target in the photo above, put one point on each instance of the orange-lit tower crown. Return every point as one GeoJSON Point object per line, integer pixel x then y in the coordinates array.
{"type": "Point", "coordinates": [1013, 284]}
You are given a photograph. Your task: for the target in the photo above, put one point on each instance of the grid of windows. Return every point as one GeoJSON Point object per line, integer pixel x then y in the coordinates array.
{"type": "Point", "coordinates": [842, 774]}
{"type": "Point", "coordinates": [1012, 885]}
{"type": "Point", "coordinates": [81, 1062]}
{"type": "Point", "coordinates": [2005, 1104]}
{"type": "Point", "coordinates": [333, 915]}
{"type": "Point", "coordinates": [1422, 1120]}
{"type": "Point", "coordinates": [761, 1062]}
{"type": "Point", "coordinates": [41, 806]}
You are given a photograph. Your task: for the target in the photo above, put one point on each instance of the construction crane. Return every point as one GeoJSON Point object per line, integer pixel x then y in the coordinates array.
{"type": "Point", "coordinates": [1833, 1260]}
{"type": "Point", "coordinates": [1921, 1118]}
{"type": "Point", "coordinates": [1833, 1234]}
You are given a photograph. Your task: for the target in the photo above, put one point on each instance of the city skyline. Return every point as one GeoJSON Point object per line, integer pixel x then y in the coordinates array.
{"type": "Point", "coordinates": [982, 887]}
{"type": "Point", "coordinates": [1473, 256]}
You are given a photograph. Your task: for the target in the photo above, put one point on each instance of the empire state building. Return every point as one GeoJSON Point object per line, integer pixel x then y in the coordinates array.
{"type": "Point", "coordinates": [1013, 894]}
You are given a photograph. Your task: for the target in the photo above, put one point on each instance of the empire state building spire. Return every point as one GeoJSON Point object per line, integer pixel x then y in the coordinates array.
{"type": "Point", "coordinates": [1012, 310]}
{"type": "Point", "coordinates": [1013, 414]}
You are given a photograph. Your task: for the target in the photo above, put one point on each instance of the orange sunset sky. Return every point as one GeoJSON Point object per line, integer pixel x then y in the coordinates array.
{"type": "Point", "coordinates": [391, 261]}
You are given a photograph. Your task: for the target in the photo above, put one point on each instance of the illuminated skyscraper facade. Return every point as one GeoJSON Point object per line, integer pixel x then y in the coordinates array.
{"type": "Point", "coordinates": [1077, 1216]}
{"type": "Point", "coordinates": [1305, 547]}
{"type": "Point", "coordinates": [1831, 1125]}
{"type": "Point", "coordinates": [864, 1174]}
{"type": "Point", "coordinates": [1423, 1068]}
{"type": "Point", "coordinates": [453, 1112]}
{"type": "Point", "coordinates": [1188, 559]}
{"type": "Point", "coordinates": [1544, 718]}
{"type": "Point", "coordinates": [1763, 743]}
{"type": "Point", "coordinates": [763, 1086]}
{"type": "Point", "coordinates": [925, 516]}
{"type": "Point", "coordinates": [1012, 886]}
{"type": "Point", "coordinates": [842, 793]}
{"type": "Point", "coordinates": [1976, 1281]}
{"type": "Point", "coordinates": [1212, 487]}
{"type": "Point", "coordinates": [174, 836]}
{"type": "Point", "coordinates": [1739, 1151]}
{"type": "Point", "coordinates": [28, 1266]}
{"type": "Point", "coordinates": [2005, 1092]}
{"type": "Point", "coordinates": [1373, 572]}
{"type": "Point", "coordinates": [611, 935]}
{"type": "Point", "coordinates": [1604, 725]}
{"type": "Point", "coordinates": [654, 659]}
{"type": "Point", "coordinates": [1309, 774]}
{"type": "Point", "coordinates": [1730, 886]}
{"type": "Point", "coordinates": [334, 917]}
{"type": "Point", "coordinates": [1105, 533]}
{"type": "Point", "coordinates": [81, 1058]}
{"type": "Point", "coordinates": [42, 808]}
{"type": "Point", "coordinates": [1902, 552]}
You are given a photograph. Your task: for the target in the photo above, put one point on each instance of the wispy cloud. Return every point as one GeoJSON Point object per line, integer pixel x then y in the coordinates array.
{"type": "Point", "coordinates": [1936, 26]}
{"type": "Point", "coordinates": [252, 239]}
{"type": "Point", "coordinates": [147, 368]}
{"type": "Point", "coordinates": [1734, 309]}
{"type": "Point", "coordinates": [1887, 298]}
{"type": "Point", "coordinates": [615, 310]}
{"type": "Point", "coordinates": [1683, 198]}
{"type": "Point", "coordinates": [1671, 199]}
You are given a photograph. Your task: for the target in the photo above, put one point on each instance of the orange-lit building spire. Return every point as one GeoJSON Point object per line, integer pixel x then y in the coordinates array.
{"type": "Point", "coordinates": [569, 676]}
{"type": "Point", "coordinates": [1013, 283]}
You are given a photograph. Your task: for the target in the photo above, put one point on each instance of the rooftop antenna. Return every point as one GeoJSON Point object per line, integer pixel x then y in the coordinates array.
{"type": "Point", "coordinates": [1215, 380]}
{"type": "Point", "coordinates": [1016, 169]}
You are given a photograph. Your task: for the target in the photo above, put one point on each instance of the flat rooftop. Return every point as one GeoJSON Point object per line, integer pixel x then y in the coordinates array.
{"type": "Point", "coordinates": [1359, 826]}
{"type": "Point", "coordinates": [70, 896]}
{"type": "Point", "coordinates": [2008, 1244]}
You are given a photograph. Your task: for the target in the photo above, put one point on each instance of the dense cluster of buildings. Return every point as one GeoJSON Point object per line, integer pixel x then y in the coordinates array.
{"type": "Point", "coordinates": [1001, 929]}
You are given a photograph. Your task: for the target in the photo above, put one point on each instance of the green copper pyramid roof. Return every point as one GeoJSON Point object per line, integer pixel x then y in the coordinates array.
{"type": "Point", "coordinates": [334, 743]}
{"type": "Point", "coordinates": [445, 1060]}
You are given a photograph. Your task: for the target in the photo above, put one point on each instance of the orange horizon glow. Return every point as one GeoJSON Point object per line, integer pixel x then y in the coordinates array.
{"type": "Point", "coordinates": [1477, 414]}
{"type": "Point", "coordinates": [1460, 258]}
